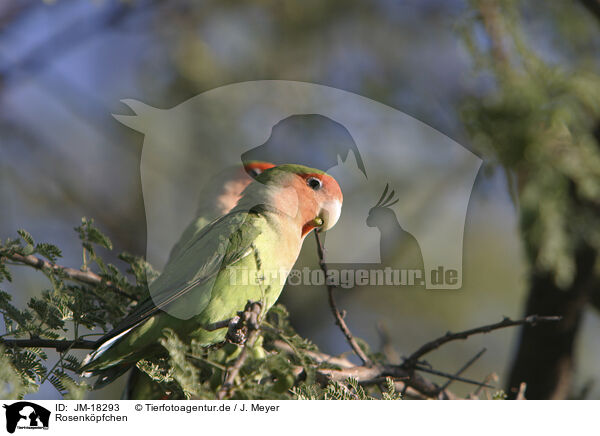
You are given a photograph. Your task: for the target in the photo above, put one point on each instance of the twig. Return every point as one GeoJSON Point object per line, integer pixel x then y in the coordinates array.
{"type": "Point", "coordinates": [413, 384]}
{"type": "Point", "coordinates": [234, 370]}
{"type": "Point", "coordinates": [249, 319]}
{"type": "Point", "coordinates": [85, 277]}
{"type": "Point", "coordinates": [451, 377]}
{"type": "Point", "coordinates": [58, 362]}
{"type": "Point", "coordinates": [448, 337]}
{"type": "Point", "coordinates": [464, 367]}
{"type": "Point", "coordinates": [318, 357]}
{"type": "Point", "coordinates": [58, 344]}
{"type": "Point", "coordinates": [374, 374]}
{"type": "Point", "coordinates": [217, 325]}
{"type": "Point", "coordinates": [339, 319]}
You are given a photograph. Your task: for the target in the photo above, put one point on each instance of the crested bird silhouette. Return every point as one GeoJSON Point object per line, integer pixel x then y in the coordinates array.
{"type": "Point", "coordinates": [398, 248]}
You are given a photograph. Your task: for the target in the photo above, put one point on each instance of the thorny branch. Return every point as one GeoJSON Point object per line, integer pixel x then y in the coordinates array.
{"type": "Point", "coordinates": [339, 318]}
{"type": "Point", "coordinates": [532, 320]}
{"type": "Point", "coordinates": [406, 379]}
{"type": "Point", "coordinates": [451, 377]}
{"type": "Point", "coordinates": [465, 367]}
{"type": "Point", "coordinates": [370, 373]}
{"type": "Point", "coordinates": [245, 332]}
{"type": "Point", "coordinates": [84, 277]}
{"type": "Point", "coordinates": [58, 344]}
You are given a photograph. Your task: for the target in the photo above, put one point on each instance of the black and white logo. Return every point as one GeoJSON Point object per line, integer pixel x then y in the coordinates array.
{"type": "Point", "coordinates": [26, 415]}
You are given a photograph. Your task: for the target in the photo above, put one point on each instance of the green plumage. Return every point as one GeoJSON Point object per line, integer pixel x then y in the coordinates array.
{"type": "Point", "coordinates": [203, 283]}
{"type": "Point", "coordinates": [203, 295]}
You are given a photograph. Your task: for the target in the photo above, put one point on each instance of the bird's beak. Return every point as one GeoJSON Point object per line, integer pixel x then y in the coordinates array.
{"type": "Point", "coordinates": [330, 214]}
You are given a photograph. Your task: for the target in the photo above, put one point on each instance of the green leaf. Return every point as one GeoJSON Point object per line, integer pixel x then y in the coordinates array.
{"type": "Point", "coordinates": [4, 273]}
{"type": "Point", "coordinates": [26, 236]}
{"type": "Point", "coordinates": [49, 251]}
{"type": "Point", "coordinates": [12, 385]}
{"type": "Point", "coordinates": [90, 233]}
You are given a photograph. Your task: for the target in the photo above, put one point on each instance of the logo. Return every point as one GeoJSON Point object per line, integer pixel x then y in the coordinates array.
{"type": "Point", "coordinates": [406, 186]}
{"type": "Point", "coordinates": [26, 415]}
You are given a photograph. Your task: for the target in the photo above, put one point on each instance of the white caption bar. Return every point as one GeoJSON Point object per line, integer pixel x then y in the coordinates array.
{"type": "Point", "coordinates": [280, 417]}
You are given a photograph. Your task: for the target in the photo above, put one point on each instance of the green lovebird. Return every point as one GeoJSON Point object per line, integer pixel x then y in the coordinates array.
{"type": "Point", "coordinates": [215, 200]}
{"type": "Point", "coordinates": [201, 283]}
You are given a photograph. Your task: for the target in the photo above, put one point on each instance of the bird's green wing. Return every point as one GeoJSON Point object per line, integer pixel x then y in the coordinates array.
{"type": "Point", "coordinates": [190, 232]}
{"type": "Point", "coordinates": [191, 272]}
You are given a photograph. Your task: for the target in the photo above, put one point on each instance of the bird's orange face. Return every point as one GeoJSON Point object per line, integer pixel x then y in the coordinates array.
{"type": "Point", "coordinates": [310, 197]}
{"type": "Point", "coordinates": [322, 201]}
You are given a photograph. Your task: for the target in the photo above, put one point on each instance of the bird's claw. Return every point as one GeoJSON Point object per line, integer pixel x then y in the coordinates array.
{"type": "Point", "coordinates": [241, 325]}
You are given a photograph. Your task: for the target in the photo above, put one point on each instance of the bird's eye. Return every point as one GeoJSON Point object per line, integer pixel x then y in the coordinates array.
{"type": "Point", "coordinates": [254, 172]}
{"type": "Point", "coordinates": [314, 183]}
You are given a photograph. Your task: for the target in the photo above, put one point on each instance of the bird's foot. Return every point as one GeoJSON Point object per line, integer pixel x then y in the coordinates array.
{"type": "Point", "coordinates": [240, 326]}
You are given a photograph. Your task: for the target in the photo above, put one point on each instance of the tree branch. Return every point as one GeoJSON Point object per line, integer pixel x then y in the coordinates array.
{"type": "Point", "coordinates": [448, 337]}
{"type": "Point", "coordinates": [465, 367]}
{"type": "Point", "coordinates": [377, 373]}
{"type": "Point", "coordinates": [249, 319]}
{"type": "Point", "coordinates": [339, 319]}
{"type": "Point", "coordinates": [84, 277]}
{"type": "Point", "coordinates": [451, 377]}
{"type": "Point", "coordinates": [58, 344]}
{"type": "Point", "coordinates": [371, 373]}
{"type": "Point", "coordinates": [404, 375]}
{"type": "Point", "coordinates": [318, 357]}
{"type": "Point", "coordinates": [414, 385]}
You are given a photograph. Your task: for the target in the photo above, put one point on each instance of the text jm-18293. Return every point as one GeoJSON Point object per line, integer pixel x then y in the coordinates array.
{"type": "Point", "coordinates": [92, 407]}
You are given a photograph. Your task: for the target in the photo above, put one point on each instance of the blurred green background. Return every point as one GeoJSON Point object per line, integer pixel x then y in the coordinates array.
{"type": "Point", "coordinates": [458, 66]}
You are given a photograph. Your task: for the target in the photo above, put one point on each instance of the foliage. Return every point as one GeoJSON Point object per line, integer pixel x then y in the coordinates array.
{"type": "Point", "coordinates": [66, 309]}
{"type": "Point", "coordinates": [63, 311]}
{"type": "Point", "coordinates": [350, 389]}
{"type": "Point", "coordinates": [193, 371]}
{"type": "Point", "coordinates": [540, 122]}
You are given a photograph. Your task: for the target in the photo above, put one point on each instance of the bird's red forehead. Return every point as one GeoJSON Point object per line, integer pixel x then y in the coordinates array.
{"type": "Point", "coordinates": [258, 166]}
